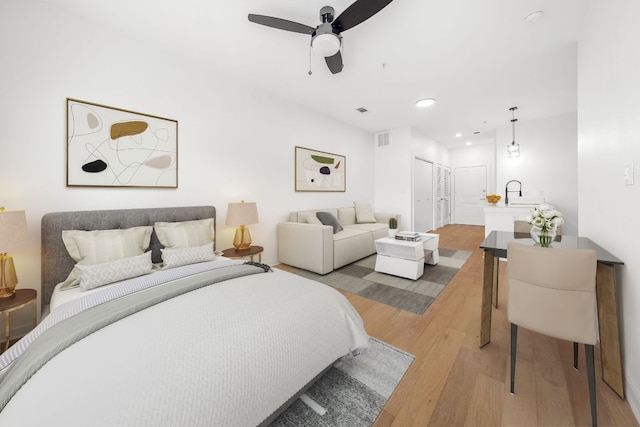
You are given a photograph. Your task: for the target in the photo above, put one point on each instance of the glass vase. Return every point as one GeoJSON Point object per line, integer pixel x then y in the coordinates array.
{"type": "Point", "coordinates": [543, 237]}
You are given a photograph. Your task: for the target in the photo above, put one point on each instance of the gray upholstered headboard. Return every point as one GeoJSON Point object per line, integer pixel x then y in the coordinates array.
{"type": "Point", "coordinates": [56, 262]}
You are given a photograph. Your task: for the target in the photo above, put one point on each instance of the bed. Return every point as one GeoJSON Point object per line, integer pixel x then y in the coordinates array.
{"type": "Point", "coordinates": [206, 342]}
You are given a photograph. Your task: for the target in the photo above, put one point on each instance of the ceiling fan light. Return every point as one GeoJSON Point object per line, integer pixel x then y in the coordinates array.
{"type": "Point", "coordinates": [326, 44]}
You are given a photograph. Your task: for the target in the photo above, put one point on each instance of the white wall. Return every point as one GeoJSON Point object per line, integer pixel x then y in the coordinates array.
{"type": "Point", "coordinates": [234, 142]}
{"type": "Point", "coordinates": [477, 155]}
{"type": "Point", "coordinates": [547, 163]}
{"type": "Point", "coordinates": [393, 180]}
{"type": "Point", "coordinates": [608, 137]}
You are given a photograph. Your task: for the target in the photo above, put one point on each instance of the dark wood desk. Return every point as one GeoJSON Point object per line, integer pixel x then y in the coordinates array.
{"type": "Point", "coordinates": [495, 246]}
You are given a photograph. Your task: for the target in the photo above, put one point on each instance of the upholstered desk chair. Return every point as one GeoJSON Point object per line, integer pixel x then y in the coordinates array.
{"type": "Point", "coordinates": [518, 227]}
{"type": "Point", "coordinates": [553, 292]}
{"type": "Point", "coordinates": [521, 226]}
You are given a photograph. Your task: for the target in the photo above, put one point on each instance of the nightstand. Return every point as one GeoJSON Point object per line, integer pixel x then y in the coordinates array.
{"type": "Point", "coordinates": [244, 253]}
{"type": "Point", "coordinates": [22, 298]}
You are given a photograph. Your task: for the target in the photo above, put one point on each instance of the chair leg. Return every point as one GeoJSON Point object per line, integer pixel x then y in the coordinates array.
{"type": "Point", "coordinates": [514, 346]}
{"type": "Point", "coordinates": [591, 376]}
{"type": "Point", "coordinates": [575, 356]}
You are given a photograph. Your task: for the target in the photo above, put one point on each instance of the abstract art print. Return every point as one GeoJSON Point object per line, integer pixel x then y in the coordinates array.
{"type": "Point", "coordinates": [319, 171]}
{"type": "Point", "coordinates": [112, 147]}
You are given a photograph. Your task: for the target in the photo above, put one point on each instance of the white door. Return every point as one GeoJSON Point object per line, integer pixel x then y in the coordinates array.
{"type": "Point", "coordinates": [470, 189]}
{"type": "Point", "coordinates": [422, 195]}
{"type": "Point", "coordinates": [443, 194]}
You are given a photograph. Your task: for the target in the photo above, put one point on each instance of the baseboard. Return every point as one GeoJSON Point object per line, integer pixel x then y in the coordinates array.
{"type": "Point", "coordinates": [632, 394]}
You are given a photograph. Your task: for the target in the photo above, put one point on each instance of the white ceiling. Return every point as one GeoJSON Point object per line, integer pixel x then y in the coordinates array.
{"type": "Point", "coordinates": [477, 58]}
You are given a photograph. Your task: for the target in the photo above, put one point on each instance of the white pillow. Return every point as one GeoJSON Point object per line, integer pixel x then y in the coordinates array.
{"type": "Point", "coordinates": [364, 214]}
{"type": "Point", "coordinates": [95, 275]}
{"type": "Point", "coordinates": [185, 234]}
{"type": "Point", "coordinates": [175, 257]}
{"type": "Point", "coordinates": [97, 246]}
{"type": "Point", "coordinates": [310, 218]}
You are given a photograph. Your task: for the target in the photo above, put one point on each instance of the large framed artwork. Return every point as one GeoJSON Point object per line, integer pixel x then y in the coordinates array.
{"type": "Point", "coordinates": [319, 171]}
{"type": "Point", "coordinates": [112, 147]}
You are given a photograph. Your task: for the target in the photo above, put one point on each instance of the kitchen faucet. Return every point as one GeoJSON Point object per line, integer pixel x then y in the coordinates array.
{"type": "Point", "coordinates": [506, 191]}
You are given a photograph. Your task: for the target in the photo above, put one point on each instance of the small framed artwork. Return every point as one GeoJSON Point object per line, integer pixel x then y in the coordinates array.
{"type": "Point", "coordinates": [112, 147]}
{"type": "Point", "coordinates": [319, 171]}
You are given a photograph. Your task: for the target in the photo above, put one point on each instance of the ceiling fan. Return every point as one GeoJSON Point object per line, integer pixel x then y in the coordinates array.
{"type": "Point", "coordinates": [326, 38]}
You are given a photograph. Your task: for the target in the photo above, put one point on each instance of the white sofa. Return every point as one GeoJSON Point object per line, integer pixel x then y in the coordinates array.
{"type": "Point", "coordinates": [314, 247]}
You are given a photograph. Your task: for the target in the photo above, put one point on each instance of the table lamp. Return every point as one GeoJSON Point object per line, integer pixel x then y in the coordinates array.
{"type": "Point", "coordinates": [13, 235]}
{"type": "Point", "coordinates": [239, 215]}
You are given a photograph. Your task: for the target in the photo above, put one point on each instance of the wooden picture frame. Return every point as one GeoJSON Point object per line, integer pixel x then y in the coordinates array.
{"type": "Point", "coordinates": [319, 171]}
{"type": "Point", "coordinates": [113, 147]}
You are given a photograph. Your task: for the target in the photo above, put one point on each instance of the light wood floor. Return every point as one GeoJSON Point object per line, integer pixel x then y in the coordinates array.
{"type": "Point", "coordinates": [453, 383]}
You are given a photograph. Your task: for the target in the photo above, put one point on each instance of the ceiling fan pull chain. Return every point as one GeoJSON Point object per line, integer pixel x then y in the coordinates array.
{"type": "Point", "coordinates": [310, 49]}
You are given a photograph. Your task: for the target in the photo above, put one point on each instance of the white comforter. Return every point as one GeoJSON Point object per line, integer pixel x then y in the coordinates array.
{"type": "Point", "coordinates": [224, 355]}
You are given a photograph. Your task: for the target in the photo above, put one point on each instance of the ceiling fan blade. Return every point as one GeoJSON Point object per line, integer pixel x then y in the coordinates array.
{"type": "Point", "coordinates": [358, 12]}
{"type": "Point", "coordinates": [281, 24]}
{"type": "Point", "coordinates": [334, 63]}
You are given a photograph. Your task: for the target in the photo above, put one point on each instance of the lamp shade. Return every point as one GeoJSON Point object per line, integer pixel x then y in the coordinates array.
{"type": "Point", "coordinates": [13, 230]}
{"type": "Point", "coordinates": [242, 214]}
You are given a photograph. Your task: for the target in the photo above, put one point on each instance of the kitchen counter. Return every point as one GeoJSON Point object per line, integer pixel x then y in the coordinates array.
{"type": "Point", "coordinates": [501, 217]}
{"type": "Point", "coordinates": [501, 207]}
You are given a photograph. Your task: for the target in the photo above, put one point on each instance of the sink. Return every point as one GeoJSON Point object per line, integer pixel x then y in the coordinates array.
{"type": "Point", "coordinates": [531, 201]}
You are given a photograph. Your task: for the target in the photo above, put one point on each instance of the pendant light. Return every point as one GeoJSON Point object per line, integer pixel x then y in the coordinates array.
{"type": "Point", "coordinates": [513, 149]}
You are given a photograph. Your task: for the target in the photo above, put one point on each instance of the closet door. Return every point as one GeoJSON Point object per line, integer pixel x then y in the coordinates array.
{"type": "Point", "coordinates": [443, 195]}
{"type": "Point", "coordinates": [422, 195]}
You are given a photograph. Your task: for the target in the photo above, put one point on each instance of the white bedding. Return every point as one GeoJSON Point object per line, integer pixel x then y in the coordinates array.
{"type": "Point", "coordinates": [228, 355]}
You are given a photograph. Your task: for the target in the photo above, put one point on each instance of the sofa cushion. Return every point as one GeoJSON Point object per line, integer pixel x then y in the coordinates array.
{"type": "Point", "coordinates": [364, 213]}
{"type": "Point", "coordinates": [351, 245]}
{"type": "Point", "coordinates": [348, 233]}
{"type": "Point", "coordinates": [329, 219]}
{"type": "Point", "coordinates": [347, 216]}
{"type": "Point", "coordinates": [309, 218]}
{"type": "Point", "coordinates": [376, 229]}
{"type": "Point", "coordinates": [369, 226]}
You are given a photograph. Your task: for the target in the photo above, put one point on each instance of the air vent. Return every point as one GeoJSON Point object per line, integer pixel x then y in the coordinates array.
{"type": "Point", "coordinates": [383, 139]}
{"type": "Point", "coordinates": [362, 109]}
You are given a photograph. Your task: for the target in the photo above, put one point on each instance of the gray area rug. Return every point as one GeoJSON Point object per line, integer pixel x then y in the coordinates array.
{"type": "Point", "coordinates": [353, 392]}
{"type": "Point", "coordinates": [414, 296]}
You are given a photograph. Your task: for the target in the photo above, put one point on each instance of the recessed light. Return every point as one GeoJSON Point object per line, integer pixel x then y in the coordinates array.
{"type": "Point", "coordinates": [468, 143]}
{"type": "Point", "coordinates": [362, 109]}
{"type": "Point", "coordinates": [427, 102]}
{"type": "Point", "coordinates": [533, 17]}
{"type": "Point", "coordinates": [477, 132]}
{"type": "Point", "coordinates": [458, 135]}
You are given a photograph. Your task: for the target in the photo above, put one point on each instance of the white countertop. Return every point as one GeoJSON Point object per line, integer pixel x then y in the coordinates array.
{"type": "Point", "coordinates": [501, 207]}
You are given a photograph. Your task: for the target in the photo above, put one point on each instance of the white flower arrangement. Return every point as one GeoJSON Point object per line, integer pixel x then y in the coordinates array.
{"type": "Point", "coordinates": [545, 218]}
